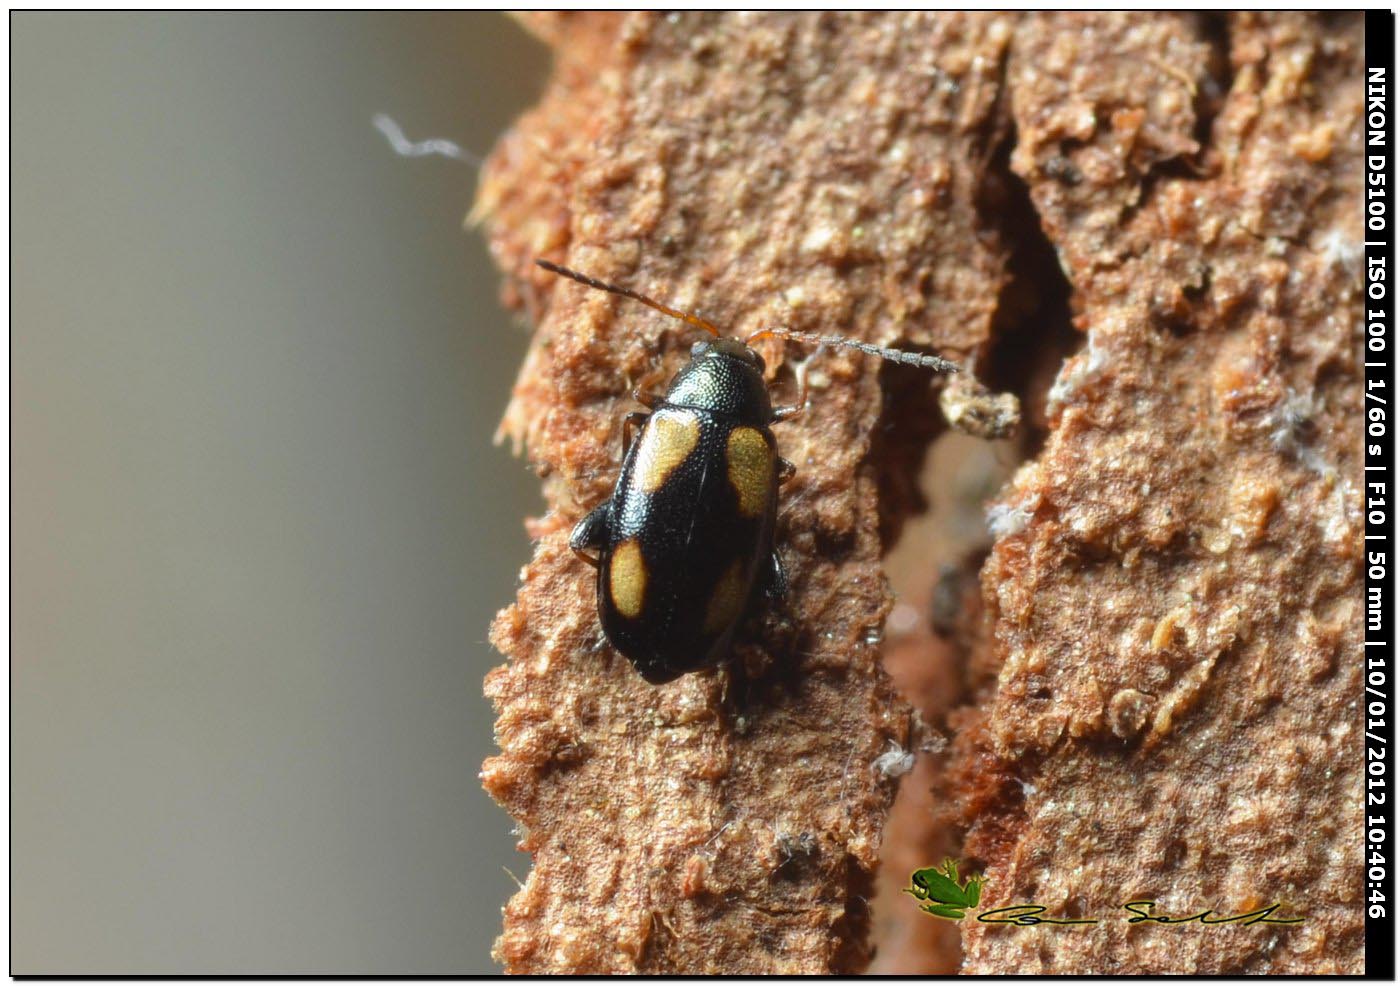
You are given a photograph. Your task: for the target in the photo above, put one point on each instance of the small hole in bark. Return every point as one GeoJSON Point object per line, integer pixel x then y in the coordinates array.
{"type": "Point", "coordinates": [1076, 907]}
{"type": "Point", "coordinates": [1175, 854]}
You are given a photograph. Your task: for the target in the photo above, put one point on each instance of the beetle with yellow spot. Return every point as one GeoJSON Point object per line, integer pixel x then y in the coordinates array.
{"type": "Point", "coordinates": [685, 541]}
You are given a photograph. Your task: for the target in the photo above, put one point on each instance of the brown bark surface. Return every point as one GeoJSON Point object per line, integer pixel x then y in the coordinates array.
{"type": "Point", "coordinates": [1176, 597]}
{"type": "Point", "coordinates": [1164, 694]}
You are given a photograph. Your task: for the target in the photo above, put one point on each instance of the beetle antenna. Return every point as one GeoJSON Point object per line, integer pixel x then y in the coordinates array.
{"type": "Point", "coordinates": [593, 282]}
{"type": "Point", "coordinates": [925, 360]}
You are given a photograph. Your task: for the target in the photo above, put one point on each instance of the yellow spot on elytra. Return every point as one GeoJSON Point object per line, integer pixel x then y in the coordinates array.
{"type": "Point", "coordinates": [669, 437]}
{"type": "Point", "coordinates": [750, 470]}
{"type": "Point", "coordinates": [627, 577]}
{"type": "Point", "coordinates": [727, 601]}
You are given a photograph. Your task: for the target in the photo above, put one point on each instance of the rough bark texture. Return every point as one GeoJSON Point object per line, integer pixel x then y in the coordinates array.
{"type": "Point", "coordinates": [1176, 597]}
{"type": "Point", "coordinates": [814, 171]}
{"type": "Point", "coordinates": [1164, 694]}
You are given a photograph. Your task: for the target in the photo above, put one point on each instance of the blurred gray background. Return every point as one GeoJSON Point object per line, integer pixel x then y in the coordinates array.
{"type": "Point", "coordinates": [259, 527]}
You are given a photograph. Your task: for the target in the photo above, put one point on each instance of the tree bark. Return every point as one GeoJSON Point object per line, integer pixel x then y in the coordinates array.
{"type": "Point", "coordinates": [1158, 684]}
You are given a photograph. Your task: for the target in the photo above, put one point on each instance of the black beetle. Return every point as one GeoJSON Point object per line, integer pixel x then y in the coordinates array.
{"type": "Point", "coordinates": [687, 535]}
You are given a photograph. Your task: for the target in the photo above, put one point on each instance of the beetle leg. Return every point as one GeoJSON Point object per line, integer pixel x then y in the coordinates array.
{"type": "Point", "coordinates": [786, 411]}
{"type": "Point", "coordinates": [591, 532]}
{"type": "Point", "coordinates": [786, 470]}
{"type": "Point", "coordinates": [642, 393]}
{"type": "Point", "coordinates": [629, 429]}
{"type": "Point", "coordinates": [792, 410]}
{"type": "Point", "coordinates": [775, 580]}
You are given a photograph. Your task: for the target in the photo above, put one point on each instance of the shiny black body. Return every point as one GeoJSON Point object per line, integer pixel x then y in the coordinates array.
{"type": "Point", "coordinates": [706, 548]}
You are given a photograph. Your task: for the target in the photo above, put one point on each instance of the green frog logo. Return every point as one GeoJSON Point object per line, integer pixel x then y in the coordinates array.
{"type": "Point", "coordinates": [942, 894]}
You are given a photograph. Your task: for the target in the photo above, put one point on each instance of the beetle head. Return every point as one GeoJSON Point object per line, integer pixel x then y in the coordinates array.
{"type": "Point", "coordinates": [725, 346]}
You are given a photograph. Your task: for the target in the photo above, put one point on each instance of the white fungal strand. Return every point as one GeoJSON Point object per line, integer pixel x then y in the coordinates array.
{"type": "Point", "coordinates": [404, 147]}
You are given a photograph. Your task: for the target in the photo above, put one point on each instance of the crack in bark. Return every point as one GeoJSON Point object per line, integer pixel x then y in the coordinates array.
{"type": "Point", "coordinates": [907, 206]}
